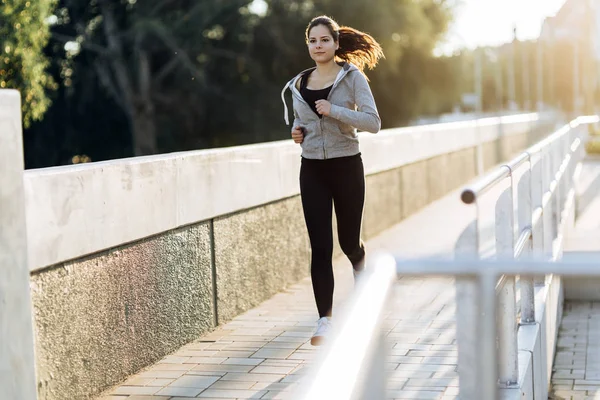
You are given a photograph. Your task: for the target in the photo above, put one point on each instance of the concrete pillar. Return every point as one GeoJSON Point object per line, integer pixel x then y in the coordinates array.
{"type": "Point", "coordinates": [17, 362]}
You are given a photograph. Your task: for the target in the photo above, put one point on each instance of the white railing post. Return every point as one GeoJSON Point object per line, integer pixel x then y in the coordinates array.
{"type": "Point", "coordinates": [467, 317]}
{"type": "Point", "coordinates": [487, 380]}
{"type": "Point", "coordinates": [508, 369]}
{"type": "Point", "coordinates": [376, 377]}
{"type": "Point", "coordinates": [537, 193]}
{"type": "Point", "coordinates": [524, 206]}
{"type": "Point", "coordinates": [547, 213]}
{"type": "Point", "coordinates": [17, 362]}
{"type": "Point", "coordinates": [557, 198]}
{"type": "Point", "coordinates": [583, 135]}
{"type": "Point", "coordinates": [565, 149]}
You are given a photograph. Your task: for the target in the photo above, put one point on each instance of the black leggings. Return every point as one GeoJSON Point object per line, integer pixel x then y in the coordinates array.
{"type": "Point", "coordinates": [340, 181]}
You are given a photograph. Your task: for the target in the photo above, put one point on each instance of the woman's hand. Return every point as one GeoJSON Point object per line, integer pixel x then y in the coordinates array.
{"type": "Point", "coordinates": [297, 134]}
{"type": "Point", "coordinates": [323, 107]}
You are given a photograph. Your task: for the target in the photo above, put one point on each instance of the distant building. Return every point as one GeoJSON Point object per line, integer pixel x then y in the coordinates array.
{"type": "Point", "coordinates": [575, 20]}
{"type": "Point", "coordinates": [577, 23]}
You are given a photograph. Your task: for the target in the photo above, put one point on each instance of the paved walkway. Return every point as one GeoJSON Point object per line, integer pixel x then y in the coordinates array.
{"type": "Point", "coordinates": [576, 373]}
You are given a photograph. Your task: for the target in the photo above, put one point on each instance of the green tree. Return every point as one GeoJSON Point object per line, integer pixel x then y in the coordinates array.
{"type": "Point", "coordinates": [24, 31]}
{"type": "Point", "coordinates": [152, 55]}
{"type": "Point", "coordinates": [154, 76]}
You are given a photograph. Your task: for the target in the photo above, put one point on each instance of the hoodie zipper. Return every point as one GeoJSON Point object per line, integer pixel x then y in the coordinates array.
{"type": "Point", "coordinates": [293, 89]}
{"type": "Point", "coordinates": [323, 134]}
{"type": "Point", "coordinates": [328, 99]}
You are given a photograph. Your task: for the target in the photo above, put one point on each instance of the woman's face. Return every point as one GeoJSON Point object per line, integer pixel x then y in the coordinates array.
{"type": "Point", "coordinates": [321, 45]}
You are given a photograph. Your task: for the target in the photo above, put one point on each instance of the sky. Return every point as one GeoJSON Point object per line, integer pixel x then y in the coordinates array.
{"type": "Point", "coordinates": [487, 22]}
{"type": "Point", "coordinates": [490, 22]}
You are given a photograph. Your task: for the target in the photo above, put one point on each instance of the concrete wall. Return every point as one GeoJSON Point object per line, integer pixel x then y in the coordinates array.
{"type": "Point", "coordinates": [130, 259]}
{"type": "Point", "coordinates": [120, 310]}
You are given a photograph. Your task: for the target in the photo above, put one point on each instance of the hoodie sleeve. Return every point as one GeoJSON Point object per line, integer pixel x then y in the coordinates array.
{"type": "Point", "coordinates": [365, 118]}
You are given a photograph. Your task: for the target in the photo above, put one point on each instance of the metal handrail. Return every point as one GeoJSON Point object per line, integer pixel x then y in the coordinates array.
{"type": "Point", "coordinates": [484, 273]}
{"type": "Point", "coordinates": [575, 268]}
{"type": "Point", "coordinates": [352, 364]}
{"type": "Point", "coordinates": [522, 241]}
{"type": "Point", "coordinates": [481, 186]}
{"type": "Point", "coordinates": [356, 342]}
{"type": "Point", "coordinates": [470, 194]}
{"type": "Point", "coordinates": [552, 157]}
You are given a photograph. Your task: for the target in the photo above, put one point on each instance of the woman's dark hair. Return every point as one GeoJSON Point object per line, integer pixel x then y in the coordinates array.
{"type": "Point", "coordinates": [355, 47]}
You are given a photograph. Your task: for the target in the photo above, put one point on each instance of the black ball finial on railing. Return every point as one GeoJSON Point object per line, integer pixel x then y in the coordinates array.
{"type": "Point", "coordinates": [467, 196]}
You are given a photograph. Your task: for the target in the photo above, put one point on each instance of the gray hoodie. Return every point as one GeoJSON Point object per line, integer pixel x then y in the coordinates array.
{"type": "Point", "coordinates": [352, 108]}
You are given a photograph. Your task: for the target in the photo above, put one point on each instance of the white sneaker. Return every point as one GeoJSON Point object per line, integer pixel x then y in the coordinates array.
{"type": "Point", "coordinates": [323, 328]}
{"type": "Point", "coordinates": [357, 274]}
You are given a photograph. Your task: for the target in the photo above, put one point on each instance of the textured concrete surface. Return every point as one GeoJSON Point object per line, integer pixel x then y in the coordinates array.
{"type": "Point", "coordinates": [492, 154]}
{"type": "Point", "coordinates": [101, 319]}
{"type": "Point", "coordinates": [259, 252]}
{"type": "Point", "coordinates": [383, 202]}
{"type": "Point", "coordinates": [415, 188]}
{"type": "Point", "coordinates": [464, 167]}
{"type": "Point", "coordinates": [439, 169]}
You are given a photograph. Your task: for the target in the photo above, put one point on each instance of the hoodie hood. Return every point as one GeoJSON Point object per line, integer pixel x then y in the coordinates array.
{"type": "Point", "coordinates": [346, 67]}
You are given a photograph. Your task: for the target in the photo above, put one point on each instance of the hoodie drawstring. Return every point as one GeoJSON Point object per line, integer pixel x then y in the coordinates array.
{"type": "Point", "coordinates": [285, 112]}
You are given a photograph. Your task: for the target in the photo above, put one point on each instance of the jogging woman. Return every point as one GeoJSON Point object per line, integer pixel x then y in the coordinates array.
{"type": "Point", "coordinates": [330, 102]}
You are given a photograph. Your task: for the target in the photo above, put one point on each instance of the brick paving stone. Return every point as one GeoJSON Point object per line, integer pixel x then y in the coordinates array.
{"type": "Point", "coordinates": [142, 397]}
{"type": "Point", "coordinates": [282, 386]}
{"type": "Point", "coordinates": [244, 361]}
{"type": "Point", "coordinates": [236, 385]}
{"type": "Point", "coordinates": [179, 391]}
{"type": "Point", "coordinates": [221, 368]}
{"type": "Point", "coordinates": [414, 394]}
{"type": "Point", "coordinates": [172, 367]}
{"type": "Point", "coordinates": [194, 381]}
{"type": "Point", "coordinates": [195, 353]}
{"type": "Point", "coordinates": [272, 370]}
{"type": "Point", "coordinates": [160, 382]}
{"type": "Point", "coordinates": [135, 390]}
{"type": "Point", "coordinates": [252, 377]}
{"type": "Point", "coordinates": [232, 393]}
{"type": "Point", "coordinates": [438, 382]}
{"type": "Point", "coordinates": [161, 374]}
{"type": "Point", "coordinates": [405, 374]}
